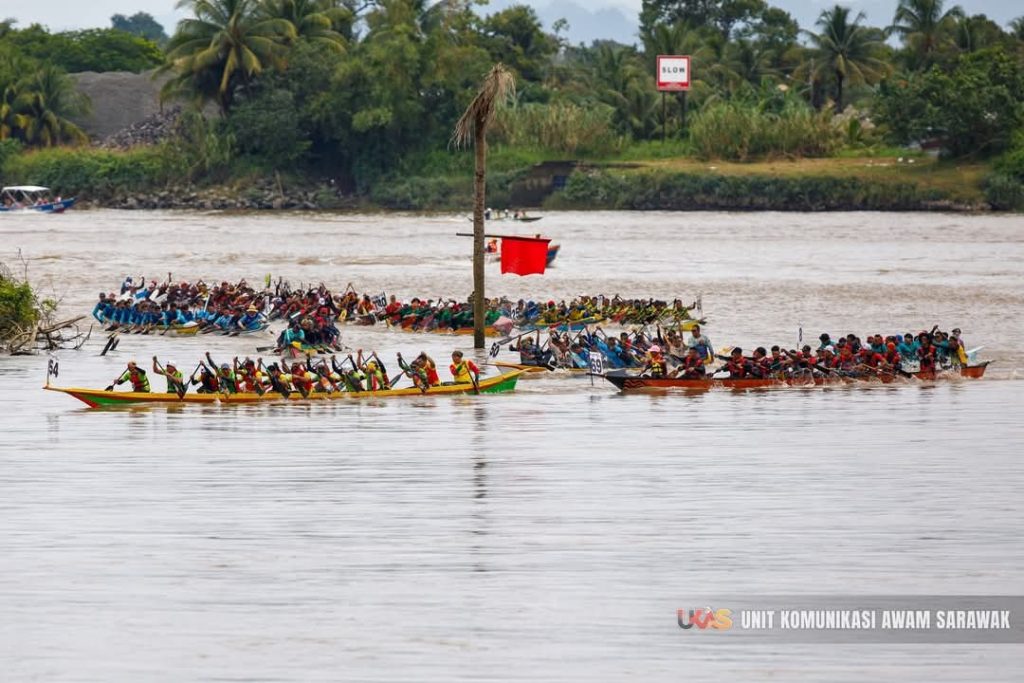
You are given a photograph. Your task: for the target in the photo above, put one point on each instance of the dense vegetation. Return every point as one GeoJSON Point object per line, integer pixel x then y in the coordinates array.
{"type": "Point", "coordinates": [367, 92]}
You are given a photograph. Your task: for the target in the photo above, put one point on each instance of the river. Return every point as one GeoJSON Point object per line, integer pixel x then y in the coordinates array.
{"type": "Point", "coordinates": [549, 534]}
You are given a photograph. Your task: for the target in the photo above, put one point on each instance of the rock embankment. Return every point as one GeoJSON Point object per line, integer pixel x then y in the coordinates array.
{"type": "Point", "coordinates": [260, 195]}
{"type": "Point", "coordinates": [151, 130]}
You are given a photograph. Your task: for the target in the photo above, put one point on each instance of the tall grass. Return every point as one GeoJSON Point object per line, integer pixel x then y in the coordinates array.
{"type": "Point", "coordinates": [743, 131]}
{"type": "Point", "coordinates": [562, 127]}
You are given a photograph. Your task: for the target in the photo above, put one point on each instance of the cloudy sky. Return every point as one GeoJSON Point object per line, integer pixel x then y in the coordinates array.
{"type": "Point", "coordinates": [588, 19]}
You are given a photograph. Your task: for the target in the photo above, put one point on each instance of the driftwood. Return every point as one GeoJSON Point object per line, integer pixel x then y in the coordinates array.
{"type": "Point", "coordinates": [50, 337]}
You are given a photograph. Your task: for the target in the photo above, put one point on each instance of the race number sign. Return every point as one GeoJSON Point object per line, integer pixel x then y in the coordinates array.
{"type": "Point", "coordinates": [673, 73]}
{"type": "Point", "coordinates": [596, 363]}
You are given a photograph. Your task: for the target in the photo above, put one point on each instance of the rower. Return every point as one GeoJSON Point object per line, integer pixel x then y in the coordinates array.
{"type": "Point", "coordinates": [429, 367]}
{"type": "Point", "coordinates": [698, 341]}
{"type": "Point", "coordinates": [692, 366]}
{"type": "Point", "coordinates": [737, 365]}
{"type": "Point", "coordinates": [175, 381]}
{"type": "Point", "coordinates": [463, 371]}
{"type": "Point", "coordinates": [136, 375]}
{"type": "Point", "coordinates": [654, 364]}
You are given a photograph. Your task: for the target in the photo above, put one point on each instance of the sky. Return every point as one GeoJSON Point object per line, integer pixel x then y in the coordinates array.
{"type": "Point", "coordinates": [588, 19]}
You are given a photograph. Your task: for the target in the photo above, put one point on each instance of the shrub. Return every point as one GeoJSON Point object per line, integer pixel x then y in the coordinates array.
{"type": "Point", "coordinates": [1004, 192]}
{"type": "Point", "coordinates": [742, 131]}
{"type": "Point", "coordinates": [97, 173]}
{"type": "Point", "coordinates": [689, 191]}
{"type": "Point", "coordinates": [17, 304]}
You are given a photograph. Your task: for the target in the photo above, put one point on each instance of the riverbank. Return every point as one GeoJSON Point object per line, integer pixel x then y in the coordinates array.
{"type": "Point", "coordinates": [156, 178]}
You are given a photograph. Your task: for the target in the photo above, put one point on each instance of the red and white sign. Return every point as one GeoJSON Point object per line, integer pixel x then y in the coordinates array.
{"type": "Point", "coordinates": [673, 72]}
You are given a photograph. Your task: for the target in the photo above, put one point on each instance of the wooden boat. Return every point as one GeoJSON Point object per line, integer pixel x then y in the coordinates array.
{"type": "Point", "coordinates": [187, 330]}
{"type": "Point", "coordinates": [538, 369]}
{"type": "Point", "coordinates": [31, 198]}
{"type": "Point", "coordinates": [489, 331]}
{"type": "Point", "coordinates": [100, 398]}
{"type": "Point", "coordinates": [565, 326]}
{"type": "Point", "coordinates": [303, 352]}
{"type": "Point", "coordinates": [625, 381]}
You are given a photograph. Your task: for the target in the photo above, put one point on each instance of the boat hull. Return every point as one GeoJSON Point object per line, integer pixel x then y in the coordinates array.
{"type": "Point", "coordinates": [100, 398]}
{"type": "Point", "coordinates": [51, 207]}
{"type": "Point", "coordinates": [627, 382]}
{"type": "Point", "coordinates": [538, 369]}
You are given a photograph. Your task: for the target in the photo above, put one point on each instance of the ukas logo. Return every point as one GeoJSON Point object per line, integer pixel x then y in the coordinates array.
{"type": "Point", "coordinates": [705, 618]}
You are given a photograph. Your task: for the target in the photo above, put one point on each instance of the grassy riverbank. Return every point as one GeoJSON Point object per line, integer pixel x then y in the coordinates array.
{"type": "Point", "coordinates": [645, 177]}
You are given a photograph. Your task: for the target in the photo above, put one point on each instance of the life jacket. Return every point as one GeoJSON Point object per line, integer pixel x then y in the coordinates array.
{"type": "Point", "coordinates": [737, 368]}
{"type": "Point", "coordinates": [229, 382]}
{"type": "Point", "coordinates": [174, 380]}
{"type": "Point", "coordinates": [657, 366]}
{"type": "Point", "coordinates": [433, 379]}
{"type": "Point", "coordinates": [461, 372]}
{"type": "Point", "coordinates": [926, 354]}
{"type": "Point", "coordinates": [140, 382]}
{"type": "Point", "coordinates": [693, 366]}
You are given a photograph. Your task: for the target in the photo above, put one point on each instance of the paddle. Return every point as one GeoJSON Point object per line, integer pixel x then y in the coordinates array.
{"type": "Point", "coordinates": [473, 378]}
{"type": "Point", "coordinates": [111, 343]}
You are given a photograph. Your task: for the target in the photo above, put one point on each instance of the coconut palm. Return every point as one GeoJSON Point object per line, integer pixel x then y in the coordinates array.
{"type": "Point", "coordinates": [749, 62]}
{"type": "Point", "coordinates": [498, 87]}
{"type": "Point", "coordinates": [222, 47]}
{"type": "Point", "coordinates": [925, 27]}
{"type": "Point", "coordinates": [313, 20]}
{"type": "Point", "coordinates": [1017, 28]}
{"type": "Point", "coordinates": [10, 120]}
{"type": "Point", "coordinates": [42, 107]}
{"type": "Point", "coordinates": [844, 51]}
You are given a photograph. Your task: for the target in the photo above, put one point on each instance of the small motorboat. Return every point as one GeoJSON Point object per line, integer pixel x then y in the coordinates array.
{"type": "Point", "coordinates": [25, 198]}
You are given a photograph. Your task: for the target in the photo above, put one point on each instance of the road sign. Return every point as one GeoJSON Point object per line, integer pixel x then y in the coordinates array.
{"type": "Point", "coordinates": [673, 73]}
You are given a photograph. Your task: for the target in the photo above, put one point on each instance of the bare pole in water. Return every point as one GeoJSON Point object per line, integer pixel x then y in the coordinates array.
{"type": "Point", "coordinates": [498, 86]}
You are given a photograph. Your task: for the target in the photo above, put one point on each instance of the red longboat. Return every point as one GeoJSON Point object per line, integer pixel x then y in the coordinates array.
{"type": "Point", "coordinates": [628, 382]}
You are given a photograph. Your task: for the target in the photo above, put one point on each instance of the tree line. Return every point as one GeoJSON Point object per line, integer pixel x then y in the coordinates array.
{"type": "Point", "coordinates": [368, 88]}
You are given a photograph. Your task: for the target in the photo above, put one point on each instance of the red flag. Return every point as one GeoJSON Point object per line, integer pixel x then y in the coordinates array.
{"type": "Point", "coordinates": [524, 255]}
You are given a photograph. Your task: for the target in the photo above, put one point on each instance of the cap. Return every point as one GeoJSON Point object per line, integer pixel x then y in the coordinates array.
{"type": "Point", "coordinates": [655, 349]}
{"type": "Point", "coordinates": [225, 366]}
{"type": "Point", "coordinates": [251, 309]}
{"type": "Point", "coordinates": [170, 364]}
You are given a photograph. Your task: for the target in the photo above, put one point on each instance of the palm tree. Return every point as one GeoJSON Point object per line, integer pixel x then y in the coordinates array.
{"type": "Point", "coordinates": [499, 86]}
{"type": "Point", "coordinates": [844, 50]}
{"type": "Point", "coordinates": [10, 120]}
{"type": "Point", "coordinates": [749, 62]}
{"type": "Point", "coordinates": [42, 107]}
{"type": "Point", "coordinates": [1017, 28]}
{"type": "Point", "coordinates": [313, 20]}
{"type": "Point", "coordinates": [925, 27]}
{"type": "Point", "coordinates": [222, 47]}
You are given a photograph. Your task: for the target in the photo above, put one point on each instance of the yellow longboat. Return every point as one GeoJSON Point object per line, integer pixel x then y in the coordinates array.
{"type": "Point", "coordinates": [101, 398]}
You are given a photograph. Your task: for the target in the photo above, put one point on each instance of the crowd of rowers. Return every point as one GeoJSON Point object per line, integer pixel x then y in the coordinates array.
{"type": "Point", "coordinates": [362, 373]}
{"type": "Point", "coordinates": [428, 315]}
{"type": "Point", "coordinates": [677, 355]}
{"type": "Point", "coordinates": [147, 305]}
